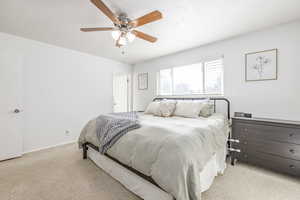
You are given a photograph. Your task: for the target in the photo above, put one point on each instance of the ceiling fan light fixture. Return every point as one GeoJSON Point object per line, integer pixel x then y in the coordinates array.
{"type": "Point", "coordinates": [116, 34]}
{"type": "Point", "coordinates": [130, 37]}
{"type": "Point", "coordinates": [123, 41]}
{"type": "Point", "coordinates": [122, 30]}
{"type": "Point", "coordinates": [124, 38]}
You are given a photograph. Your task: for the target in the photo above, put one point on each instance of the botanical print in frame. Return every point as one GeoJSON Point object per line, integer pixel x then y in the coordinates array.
{"type": "Point", "coordinates": [143, 81]}
{"type": "Point", "coordinates": [261, 65]}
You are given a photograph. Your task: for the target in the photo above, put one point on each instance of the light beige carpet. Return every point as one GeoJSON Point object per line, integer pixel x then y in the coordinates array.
{"type": "Point", "coordinates": [61, 174]}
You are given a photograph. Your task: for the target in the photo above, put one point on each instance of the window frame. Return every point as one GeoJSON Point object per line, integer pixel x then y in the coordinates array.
{"type": "Point", "coordinates": [158, 91]}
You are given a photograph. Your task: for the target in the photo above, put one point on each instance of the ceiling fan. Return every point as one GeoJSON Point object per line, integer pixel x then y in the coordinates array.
{"type": "Point", "coordinates": [124, 28]}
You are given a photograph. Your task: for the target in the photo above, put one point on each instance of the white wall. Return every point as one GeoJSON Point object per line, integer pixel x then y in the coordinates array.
{"type": "Point", "coordinates": [62, 90]}
{"type": "Point", "coordinates": [273, 99]}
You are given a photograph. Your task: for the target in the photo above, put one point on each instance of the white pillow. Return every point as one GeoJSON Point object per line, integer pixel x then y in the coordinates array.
{"type": "Point", "coordinates": [167, 108]}
{"type": "Point", "coordinates": [153, 108]}
{"type": "Point", "coordinates": [188, 108]}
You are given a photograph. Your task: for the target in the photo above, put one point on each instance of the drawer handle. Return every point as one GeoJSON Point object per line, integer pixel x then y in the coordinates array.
{"type": "Point", "coordinates": [234, 140]}
{"type": "Point", "coordinates": [235, 150]}
{"type": "Point", "coordinates": [292, 166]}
{"type": "Point", "coordinates": [292, 150]}
{"type": "Point", "coordinates": [291, 134]}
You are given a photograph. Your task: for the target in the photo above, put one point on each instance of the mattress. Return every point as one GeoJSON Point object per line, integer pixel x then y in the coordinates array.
{"type": "Point", "coordinates": [146, 190]}
{"type": "Point", "coordinates": [172, 151]}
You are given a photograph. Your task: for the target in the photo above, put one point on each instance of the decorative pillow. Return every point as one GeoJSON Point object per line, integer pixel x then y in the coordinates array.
{"type": "Point", "coordinates": [207, 110]}
{"type": "Point", "coordinates": [188, 108]}
{"type": "Point", "coordinates": [167, 108]}
{"type": "Point", "coordinates": [153, 108]}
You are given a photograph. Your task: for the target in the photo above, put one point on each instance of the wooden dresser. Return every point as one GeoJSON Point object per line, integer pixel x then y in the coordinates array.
{"type": "Point", "coordinates": [273, 144]}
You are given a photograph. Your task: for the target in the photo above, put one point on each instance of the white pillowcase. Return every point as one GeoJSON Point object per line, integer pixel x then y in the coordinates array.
{"type": "Point", "coordinates": [167, 108]}
{"type": "Point", "coordinates": [153, 108]}
{"type": "Point", "coordinates": [182, 108]}
{"type": "Point", "coordinates": [163, 108]}
{"type": "Point", "coordinates": [188, 108]}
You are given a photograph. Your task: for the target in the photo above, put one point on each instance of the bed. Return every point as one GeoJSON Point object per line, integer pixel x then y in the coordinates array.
{"type": "Point", "coordinates": [167, 158]}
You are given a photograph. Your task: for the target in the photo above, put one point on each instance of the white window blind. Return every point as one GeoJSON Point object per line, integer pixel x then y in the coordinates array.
{"type": "Point", "coordinates": [198, 78]}
{"type": "Point", "coordinates": [213, 76]}
{"type": "Point", "coordinates": [165, 82]}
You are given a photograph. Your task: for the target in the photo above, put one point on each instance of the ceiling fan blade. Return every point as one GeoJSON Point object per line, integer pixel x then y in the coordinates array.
{"type": "Point", "coordinates": [150, 17]}
{"type": "Point", "coordinates": [97, 29]}
{"type": "Point", "coordinates": [99, 4]}
{"type": "Point", "coordinates": [144, 36]}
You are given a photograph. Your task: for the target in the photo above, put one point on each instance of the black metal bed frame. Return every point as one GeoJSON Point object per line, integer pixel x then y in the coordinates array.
{"type": "Point", "coordinates": [86, 145]}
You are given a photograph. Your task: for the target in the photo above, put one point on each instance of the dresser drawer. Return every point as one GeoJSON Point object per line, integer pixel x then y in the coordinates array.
{"type": "Point", "coordinates": [266, 132]}
{"type": "Point", "coordinates": [270, 147]}
{"type": "Point", "coordinates": [276, 163]}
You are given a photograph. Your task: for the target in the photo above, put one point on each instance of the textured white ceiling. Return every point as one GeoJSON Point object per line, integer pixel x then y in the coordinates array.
{"type": "Point", "coordinates": [186, 23]}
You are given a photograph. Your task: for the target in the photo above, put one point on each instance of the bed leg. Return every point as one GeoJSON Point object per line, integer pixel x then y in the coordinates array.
{"type": "Point", "coordinates": [84, 148]}
{"type": "Point", "coordinates": [233, 160]}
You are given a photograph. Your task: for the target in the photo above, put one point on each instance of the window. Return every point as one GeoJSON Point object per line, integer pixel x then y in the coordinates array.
{"type": "Point", "coordinates": [214, 77]}
{"type": "Point", "coordinates": [166, 81]}
{"type": "Point", "coordinates": [199, 78]}
{"type": "Point", "coordinates": [188, 79]}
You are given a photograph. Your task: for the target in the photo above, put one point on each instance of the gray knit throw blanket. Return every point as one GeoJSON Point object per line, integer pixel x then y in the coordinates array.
{"type": "Point", "coordinates": [111, 127]}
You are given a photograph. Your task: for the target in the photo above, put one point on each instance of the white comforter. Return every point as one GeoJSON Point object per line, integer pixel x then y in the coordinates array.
{"type": "Point", "coordinates": [171, 150]}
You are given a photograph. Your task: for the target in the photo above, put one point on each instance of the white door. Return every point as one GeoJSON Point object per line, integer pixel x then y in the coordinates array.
{"type": "Point", "coordinates": [120, 93]}
{"type": "Point", "coordinates": [10, 102]}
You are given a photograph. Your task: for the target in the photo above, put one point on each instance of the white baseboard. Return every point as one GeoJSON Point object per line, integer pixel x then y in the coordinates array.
{"type": "Point", "coordinates": [50, 146]}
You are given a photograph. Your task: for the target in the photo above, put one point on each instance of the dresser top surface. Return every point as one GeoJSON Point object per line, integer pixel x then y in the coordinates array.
{"type": "Point", "coordinates": [281, 121]}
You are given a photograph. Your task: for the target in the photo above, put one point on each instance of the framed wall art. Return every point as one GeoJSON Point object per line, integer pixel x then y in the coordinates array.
{"type": "Point", "coordinates": [261, 66]}
{"type": "Point", "coordinates": [143, 81]}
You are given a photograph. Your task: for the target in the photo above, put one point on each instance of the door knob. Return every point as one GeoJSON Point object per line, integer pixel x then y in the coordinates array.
{"type": "Point", "coordinates": [17, 111]}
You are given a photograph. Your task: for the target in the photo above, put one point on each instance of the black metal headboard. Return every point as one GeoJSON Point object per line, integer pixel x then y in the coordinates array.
{"type": "Point", "coordinates": [213, 99]}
